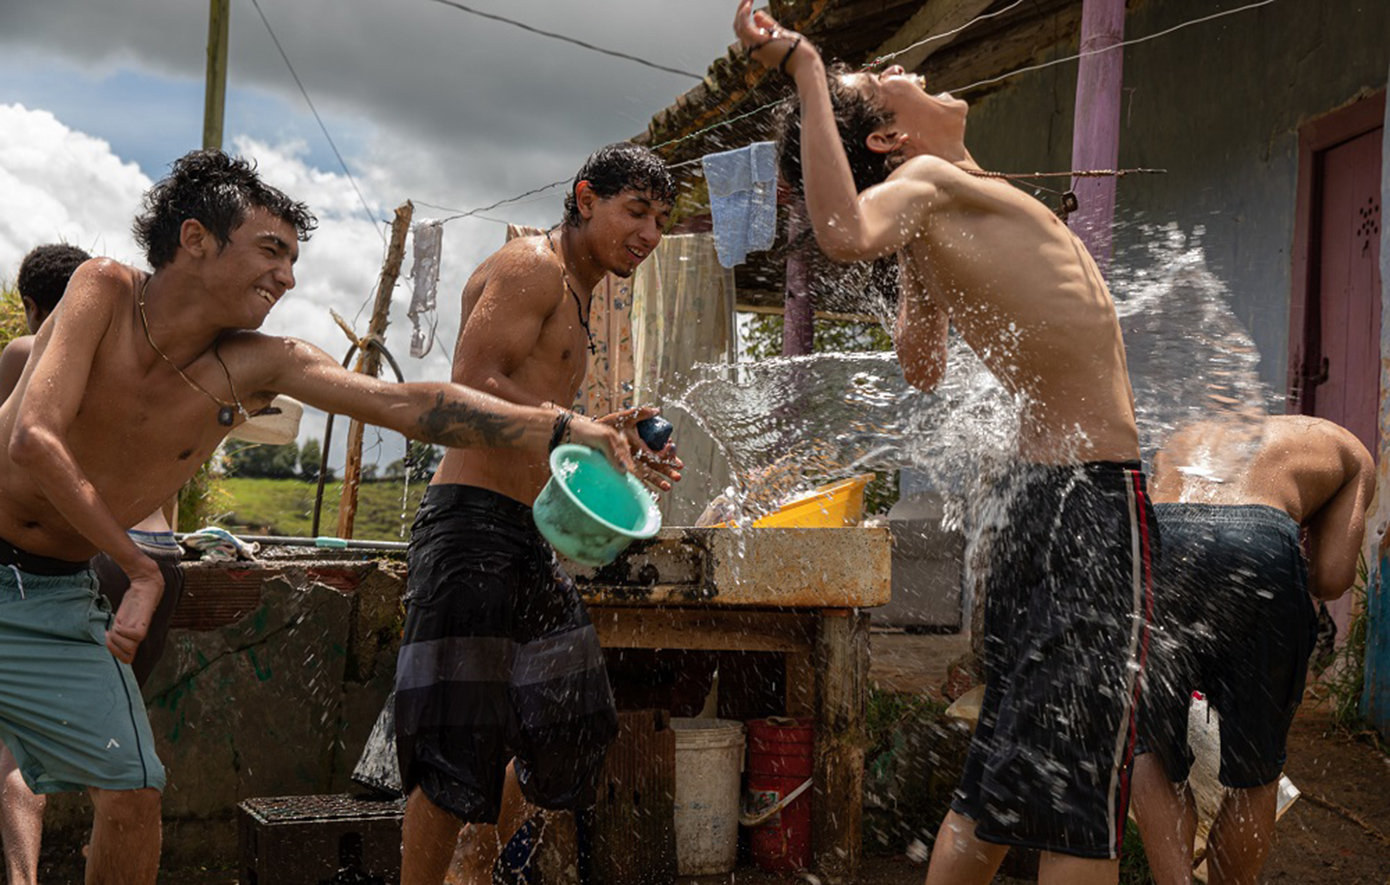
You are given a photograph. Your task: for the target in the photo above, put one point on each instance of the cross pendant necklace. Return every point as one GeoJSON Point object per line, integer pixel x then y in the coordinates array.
{"type": "Point", "coordinates": [578, 305]}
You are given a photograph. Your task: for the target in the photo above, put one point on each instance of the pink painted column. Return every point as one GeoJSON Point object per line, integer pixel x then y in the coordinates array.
{"type": "Point", "coordinates": [1095, 138]}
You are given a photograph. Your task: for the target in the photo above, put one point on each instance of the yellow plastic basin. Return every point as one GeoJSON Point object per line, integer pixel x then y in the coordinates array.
{"type": "Point", "coordinates": [830, 506]}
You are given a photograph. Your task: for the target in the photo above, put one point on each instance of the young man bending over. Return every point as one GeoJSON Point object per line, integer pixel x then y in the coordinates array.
{"type": "Point", "coordinates": [1238, 622]}
{"type": "Point", "coordinates": [884, 169]}
{"type": "Point", "coordinates": [132, 383]}
{"type": "Point", "coordinates": [499, 660]}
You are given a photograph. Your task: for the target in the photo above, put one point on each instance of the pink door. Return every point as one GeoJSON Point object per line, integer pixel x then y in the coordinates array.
{"type": "Point", "coordinates": [1336, 352]}
{"type": "Point", "coordinates": [1348, 287]}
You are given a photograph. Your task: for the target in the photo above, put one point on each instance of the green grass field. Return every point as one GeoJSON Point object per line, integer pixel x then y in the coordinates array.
{"type": "Point", "coordinates": [285, 507]}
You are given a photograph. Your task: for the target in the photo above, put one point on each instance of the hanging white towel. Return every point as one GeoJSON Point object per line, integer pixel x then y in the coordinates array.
{"type": "Point", "coordinates": [429, 240]}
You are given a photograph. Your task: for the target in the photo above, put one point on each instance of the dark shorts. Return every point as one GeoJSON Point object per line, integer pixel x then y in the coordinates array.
{"type": "Point", "coordinates": [1068, 600]}
{"type": "Point", "coordinates": [499, 660]}
{"type": "Point", "coordinates": [1236, 623]}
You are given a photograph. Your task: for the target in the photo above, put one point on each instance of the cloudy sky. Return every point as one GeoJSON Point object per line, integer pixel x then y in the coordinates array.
{"type": "Point", "coordinates": [424, 102]}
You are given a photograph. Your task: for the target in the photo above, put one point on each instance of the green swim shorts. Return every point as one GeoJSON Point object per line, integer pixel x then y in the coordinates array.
{"type": "Point", "coordinates": [70, 713]}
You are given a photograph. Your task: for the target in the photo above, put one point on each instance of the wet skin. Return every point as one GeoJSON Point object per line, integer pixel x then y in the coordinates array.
{"type": "Point", "coordinates": [977, 253]}
{"type": "Point", "coordinates": [116, 431]}
{"type": "Point", "coordinates": [1316, 471]}
{"type": "Point", "coordinates": [522, 337]}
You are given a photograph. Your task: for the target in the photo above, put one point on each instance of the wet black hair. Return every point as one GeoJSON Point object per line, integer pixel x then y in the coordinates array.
{"type": "Point", "coordinates": [45, 271]}
{"type": "Point", "coordinates": [856, 117]}
{"type": "Point", "coordinates": [612, 169]}
{"type": "Point", "coordinates": [216, 190]}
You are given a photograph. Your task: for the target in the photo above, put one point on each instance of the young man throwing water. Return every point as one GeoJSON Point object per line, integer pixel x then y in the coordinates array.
{"type": "Point", "coordinates": [884, 170]}
{"type": "Point", "coordinates": [499, 660]}
{"type": "Point", "coordinates": [1237, 621]}
{"type": "Point", "coordinates": [132, 383]}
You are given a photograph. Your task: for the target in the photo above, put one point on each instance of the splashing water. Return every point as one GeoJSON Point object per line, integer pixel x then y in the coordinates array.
{"type": "Point", "coordinates": [789, 423]}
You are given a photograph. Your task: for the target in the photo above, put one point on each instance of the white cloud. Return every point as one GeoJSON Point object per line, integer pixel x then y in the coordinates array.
{"type": "Point", "coordinates": [60, 184]}
{"type": "Point", "coordinates": [57, 184]}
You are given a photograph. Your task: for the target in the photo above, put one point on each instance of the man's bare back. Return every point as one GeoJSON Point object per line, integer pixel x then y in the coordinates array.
{"type": "Point", "coordinates": [1316, 471]}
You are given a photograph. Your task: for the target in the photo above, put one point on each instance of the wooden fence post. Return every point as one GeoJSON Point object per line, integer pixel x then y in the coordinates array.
{"type": "Point", "coordinates": [369, 362]}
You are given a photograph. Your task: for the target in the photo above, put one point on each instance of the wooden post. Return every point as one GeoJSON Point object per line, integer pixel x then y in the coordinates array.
{"type": "Point", "coordinates": [369, 362]}
{"type": "Point", "coordinates": [842, 703]}
{"type": "Point", "coordinates": [798, 315]}
{"type": "Point", "coordinates": [215, 94]}
{"type": "Point", "coordinates": [1095, 139]}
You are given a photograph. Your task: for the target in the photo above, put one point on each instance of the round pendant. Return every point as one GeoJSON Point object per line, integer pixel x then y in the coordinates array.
{"type": "Point", "coordinates": [226, 415]}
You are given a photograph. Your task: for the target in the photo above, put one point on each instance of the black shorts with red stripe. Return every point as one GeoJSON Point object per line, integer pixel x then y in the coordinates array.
{"type": "Point", "coordinates": [1068, 602]}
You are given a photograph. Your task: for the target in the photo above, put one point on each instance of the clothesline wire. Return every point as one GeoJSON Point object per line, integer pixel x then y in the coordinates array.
{"type": "Point", "coordinates": [564, 39]}
{"type": "Point", "coordinates": [942, 36]}
{"type": "Point", "coordinates": [376, 225]}
{"type": "Point", "coordinates": [758, 110]}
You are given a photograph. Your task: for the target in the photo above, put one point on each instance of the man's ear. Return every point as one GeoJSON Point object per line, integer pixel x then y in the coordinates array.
{"type": "Point", "coordinates": [585, 198]}
{"type": "Point", "coordinates": [885, 141]}
{"type": "Point", "coordinates": [196, 238]}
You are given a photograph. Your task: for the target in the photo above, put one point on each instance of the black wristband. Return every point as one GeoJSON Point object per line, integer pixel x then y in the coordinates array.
{"type": "Point", "coordinates": [782, 66]}
{"type": "Point", "coordinates": [562, 423]}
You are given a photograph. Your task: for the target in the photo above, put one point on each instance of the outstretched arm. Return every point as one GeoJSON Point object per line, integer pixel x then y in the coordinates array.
{"type": "Point", "coordinates": [66, 347]}
{"type": "Point", "coordinates": [435, 412]}
{"type": "Point", "coordinates": [849, 226]}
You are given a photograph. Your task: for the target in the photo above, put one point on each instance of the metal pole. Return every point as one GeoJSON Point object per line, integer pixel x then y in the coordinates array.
{"type": "Point", "coordinates": [214, 98]}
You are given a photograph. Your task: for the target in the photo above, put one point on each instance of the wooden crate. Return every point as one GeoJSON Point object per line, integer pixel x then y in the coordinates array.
{"type": "Point", "coordinates": [312, 840]}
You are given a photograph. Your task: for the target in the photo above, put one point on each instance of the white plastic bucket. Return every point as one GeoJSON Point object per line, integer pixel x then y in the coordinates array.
{"type": "Point", "coordinates": [709, 762]}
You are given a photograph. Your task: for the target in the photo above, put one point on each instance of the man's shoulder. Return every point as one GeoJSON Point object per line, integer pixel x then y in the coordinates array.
{"type": "Point", "coordinates": [19, 347]}
{"type": "Point", "coordinates": [107, 272]}
{"type": "Point", "coordinates": [525, 265]}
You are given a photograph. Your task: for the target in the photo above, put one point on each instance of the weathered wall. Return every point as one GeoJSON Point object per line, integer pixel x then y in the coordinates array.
{"type": "Point", "coordinates": [1218, 105]}
{"type": "Point", "coordinates": [1376, 698]}
{"type": "Point", "coordinates": [276, 702]}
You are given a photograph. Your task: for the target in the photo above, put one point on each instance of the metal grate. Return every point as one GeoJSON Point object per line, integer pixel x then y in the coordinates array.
{"type": "Point", "coordinates": [314, 809]}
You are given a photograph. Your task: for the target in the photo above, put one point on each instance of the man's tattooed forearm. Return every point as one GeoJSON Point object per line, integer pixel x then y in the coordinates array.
{"type": "Point", "coordinates": [460, 425]}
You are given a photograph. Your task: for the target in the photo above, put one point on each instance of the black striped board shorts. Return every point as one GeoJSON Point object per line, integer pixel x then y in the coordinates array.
{"type": "Point", "coordinates": [499, 661]}
{"type": "Point", "coordinates": [1068, 603]}
{"type": "Point", "coordinates": [1236, 622]}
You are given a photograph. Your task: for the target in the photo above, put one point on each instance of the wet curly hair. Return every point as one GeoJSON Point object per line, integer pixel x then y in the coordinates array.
{"type": "Point", "coordinates": [216, 190]}
{"type": "Point", "coordinates": [609, 170]}
{"type": "Point", "coordinates": [45, 271]}
{"type": "Point", "coordinates": [856, 117]}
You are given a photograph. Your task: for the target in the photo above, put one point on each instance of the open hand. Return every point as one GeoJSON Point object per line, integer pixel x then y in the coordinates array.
{"type": "Point", "coordinates": [612, 442]}
{"type": "Point", "coordinates": [768, 43]}
{"type": "Point", "coordinates": [132, 619]}
{"type": "Point", "coordinates": [657, 469]}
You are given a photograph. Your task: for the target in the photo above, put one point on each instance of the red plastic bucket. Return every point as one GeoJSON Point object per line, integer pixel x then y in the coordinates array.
{"type": "Point", "coordinates": [780, 762]}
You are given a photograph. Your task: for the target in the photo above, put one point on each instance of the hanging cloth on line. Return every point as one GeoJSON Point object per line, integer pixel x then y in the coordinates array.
{"type": "Point", "coordinates": [743, 200]}
{"type": "Point", "coordinates": [428, 235]}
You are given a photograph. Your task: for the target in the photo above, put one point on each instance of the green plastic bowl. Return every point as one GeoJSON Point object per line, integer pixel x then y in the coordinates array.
{"type": "Point", "coordinates": [589, 511]}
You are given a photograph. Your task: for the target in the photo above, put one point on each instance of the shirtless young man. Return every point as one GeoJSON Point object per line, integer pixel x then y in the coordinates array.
{"type": "Point", "coordinates": [884, 170]}
{"type": "Point", "coordinates": [135, 379]}
{"type": "Point", "coordinates": [43, 277]}
{"type": "Point", "coordinates": [495, 634]}
{"type": "Point", "coordinates": [1237, 622]}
